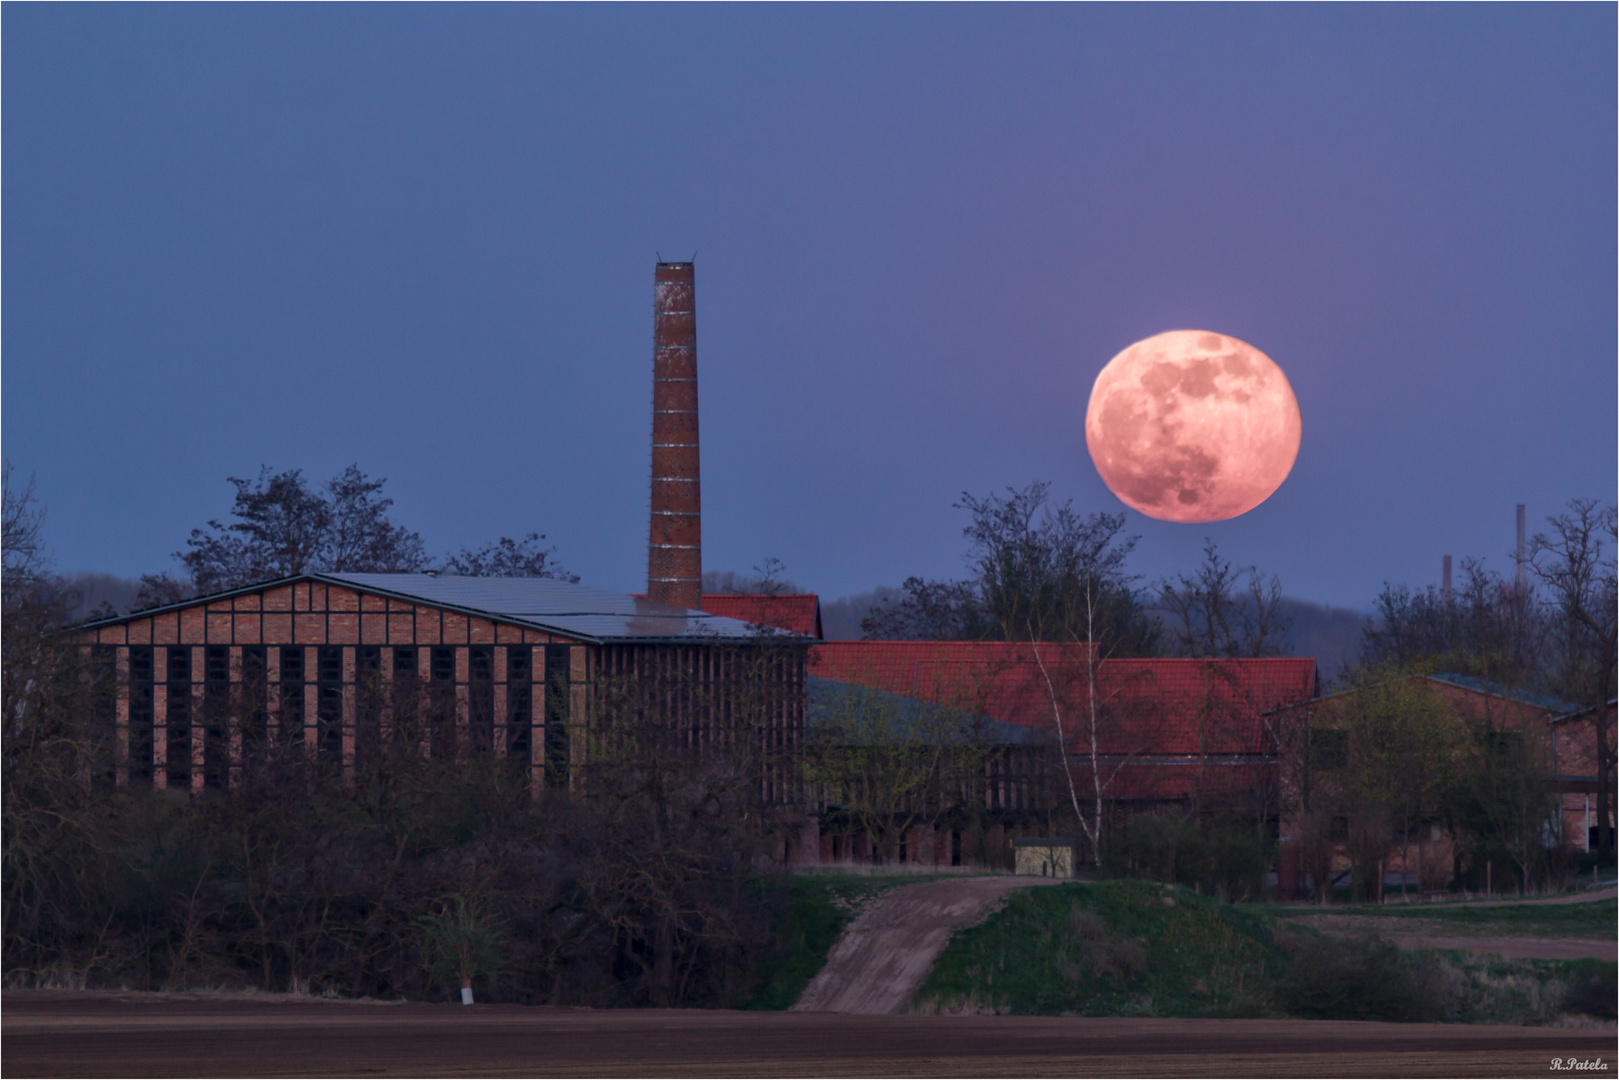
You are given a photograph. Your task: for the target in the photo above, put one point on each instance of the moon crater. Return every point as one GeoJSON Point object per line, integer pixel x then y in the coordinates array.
{"type": "Point", "coordinates": [1192, 426]}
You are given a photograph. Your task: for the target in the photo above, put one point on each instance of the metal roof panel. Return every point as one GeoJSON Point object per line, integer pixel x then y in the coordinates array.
{"type": "Point", "coordinates": [563, 606]}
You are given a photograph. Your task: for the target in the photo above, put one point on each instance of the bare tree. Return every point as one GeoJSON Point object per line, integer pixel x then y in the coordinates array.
{"type": "Point", "coordinates": [160, 590]}
{"type": "Point", "coordinates": [1030, 562]}
{"type": "Point", "coordinates": [360, 537]}
{"type": "Point", "coordinates": [22, 545]}
{"type": "Point", "coordinates": [1093, 582]}
{"type": "Point", "coordinates": [1490, 628]}
{"type": "Point", "coordinates": [279, 530]}
{"type": "Point", "coordinates": [280, 526]}
{"type": "Point", "coordinates": [768, 579]}
{"type": "Point", "coordinates": [925, 610]}
{"type": "Point", "coordinates": [509, 558]}
{"type": "Point", "coordinates": [1575, 563]}
{"type": "Point", "coordinates": [1221, 610]}
{"type": "Point", "coordinates": [1088, 729]}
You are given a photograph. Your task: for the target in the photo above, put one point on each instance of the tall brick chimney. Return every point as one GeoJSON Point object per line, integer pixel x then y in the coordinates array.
{"type": "Point", "coordinates": [675, 553]}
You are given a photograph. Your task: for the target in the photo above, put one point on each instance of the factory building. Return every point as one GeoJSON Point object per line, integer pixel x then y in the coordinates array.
{"type": "Point", "coordinates": [340, 664]}
{"type": "Point", "coordinates": [1171, 734]}
{"type": "Point", "coordinates": [343, 665]}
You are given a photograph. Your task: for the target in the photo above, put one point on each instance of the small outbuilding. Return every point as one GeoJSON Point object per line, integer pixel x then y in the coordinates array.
{"type": "Point", "coordinates": [1044, 856]}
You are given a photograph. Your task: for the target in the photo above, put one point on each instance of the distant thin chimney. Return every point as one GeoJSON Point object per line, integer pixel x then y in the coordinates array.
{"type": "Point", "coordinates": [1520, 548]}
{"type": "Point", "coordinates": [1445, 588]}
{"type": "Point", "coordinates": [675, 551]}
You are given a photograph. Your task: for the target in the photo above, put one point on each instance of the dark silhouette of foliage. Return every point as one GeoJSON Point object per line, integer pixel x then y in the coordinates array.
{"type": "Point", "coordinates": [1220, 610]}
{"type": "Point", "coordinates": [281, 526]}
{"type": "Point", "coordinates": [1033, 569]}
{"type": "Point", "coordinates": [1490, 629]}
{"type": "Point", "coordinates": [509, 558]}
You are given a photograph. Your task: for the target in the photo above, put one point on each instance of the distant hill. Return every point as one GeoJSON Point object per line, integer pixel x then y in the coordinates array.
{"type": "Point", "coordinates": [95, 589]}
{"type": "Point", "coordinates": [840, 618]}
{"type": "Point", "coordinates": [1329, 634]}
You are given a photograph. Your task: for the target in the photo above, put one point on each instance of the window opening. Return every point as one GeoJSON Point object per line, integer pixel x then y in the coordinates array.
{"type": "Point", "coordinates": [556, 716]}
{"type": "Point", "coordinates": [215, 715]}
{"type": "Point", "coordinates": [368, 704]}
{"type": "Point", "coordinates": [292, 693]}
{"type": "Point", "coordinates": [407, 727]}
{"type": "Point", "coordinates": [140, 713]}
{"type": "Point", "coordinates": [441, 719]}
{"type": "Point", "coordinates": [519, 703]}
{"type": "Point", "coordinates": [254, 715]}
{"type": "Point", "coordinates": [329, 704]}
{"type": "Point", "coordinates": [481, 696]}
{"type": "Point", "coordinates": [178, 743]}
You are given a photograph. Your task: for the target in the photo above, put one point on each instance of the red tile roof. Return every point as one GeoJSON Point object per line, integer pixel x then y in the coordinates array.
{"type": "Point", "coordinates": [798, 612]}
{"type": "Point", "coordinates": [991, 676]}
{"type": "Point", "coordinates": [1144, 707]}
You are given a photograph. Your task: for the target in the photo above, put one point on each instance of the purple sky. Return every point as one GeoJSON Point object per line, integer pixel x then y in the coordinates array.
{"type": "Point", "coordinates": [421, 238]}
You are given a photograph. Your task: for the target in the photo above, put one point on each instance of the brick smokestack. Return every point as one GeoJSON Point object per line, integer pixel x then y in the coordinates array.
{"type": "Point", "coordinates": [675, 553]}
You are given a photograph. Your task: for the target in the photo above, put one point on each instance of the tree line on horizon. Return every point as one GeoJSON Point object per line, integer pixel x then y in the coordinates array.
{"type": "Point", "coordinates": [1029, 562]}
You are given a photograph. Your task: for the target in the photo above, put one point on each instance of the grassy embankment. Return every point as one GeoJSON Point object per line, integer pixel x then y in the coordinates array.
{"type": "Point", "coordinates": [1133, 948]}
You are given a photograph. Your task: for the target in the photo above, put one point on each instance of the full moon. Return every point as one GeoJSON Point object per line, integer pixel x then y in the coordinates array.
{"type": "Point", "coordinates": [1192, 426]}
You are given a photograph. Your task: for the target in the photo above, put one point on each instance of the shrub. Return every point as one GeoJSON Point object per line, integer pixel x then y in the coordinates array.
{"type": "Point", "coordinates": [1356, 979]}
{"type": "Point", "coordinates": [1591, 990]}
{"type": "Point", "coordinates": [1222, 858]}
{"type": "Point", "coordinates": [461, 942]}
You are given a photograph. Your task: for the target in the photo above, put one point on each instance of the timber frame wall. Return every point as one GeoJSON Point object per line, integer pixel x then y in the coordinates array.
{"type": "Point", "coordinates": [332, 669]}
{"type": "Point", "coordinates": [720, 695]}
{"type": "Point", "coordinates": [201, 691]}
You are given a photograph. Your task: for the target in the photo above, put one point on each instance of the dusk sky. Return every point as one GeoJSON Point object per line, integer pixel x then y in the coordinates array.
{"type": "Point", "coordinates": [421, 238]}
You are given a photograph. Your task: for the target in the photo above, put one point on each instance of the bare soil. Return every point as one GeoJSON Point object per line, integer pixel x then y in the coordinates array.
{"type": "Point", "coordinates": [884, 955]}
{"type": "Point", "coordinates": [1561, 898]}
{"type": "Point", "coordinates": [51, 1033]}
{"type": "Point", "coordinates": [1418, 933]}
{"type": "Point", "coordinates": [1415, 932]}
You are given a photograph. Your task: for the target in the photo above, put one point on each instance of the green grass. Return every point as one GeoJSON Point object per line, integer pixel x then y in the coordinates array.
{"type": "Point", "coordinates": [1116, 948]}
{"type": "Point", "coordinates": [812, 911]}
{"type": "Point", "coordinates": [1593, 919]}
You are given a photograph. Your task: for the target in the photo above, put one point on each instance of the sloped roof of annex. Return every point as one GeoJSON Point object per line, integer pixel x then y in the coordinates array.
{"type": "Point", "coordinates": [585, 614]}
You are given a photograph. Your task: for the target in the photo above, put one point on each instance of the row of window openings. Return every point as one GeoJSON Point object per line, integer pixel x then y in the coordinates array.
{"type": "Point", "coordinates": [329, 663]}
{"type": "Point", "coordinates": [442, 730]}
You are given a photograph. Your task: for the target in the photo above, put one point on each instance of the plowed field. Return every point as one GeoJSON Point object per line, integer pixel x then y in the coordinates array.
{"type": "Point", "coordinates": [50, 1033]}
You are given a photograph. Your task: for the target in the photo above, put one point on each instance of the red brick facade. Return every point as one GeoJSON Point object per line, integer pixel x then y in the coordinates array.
{"type": "Point", "coordinates": [326, 667]}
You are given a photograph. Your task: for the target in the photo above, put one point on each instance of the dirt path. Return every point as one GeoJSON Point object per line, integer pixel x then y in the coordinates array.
{"type": "Point", "coordinates": [1564, 898]}
{"type": "Point", "coordinates": [1510, 901]}
{"type": "Point", "coordinates": [885, 954]}
{"type": "Point", "coordinates": [111, 1034]}
{"type": "Point", "coordinates": [1415, 932]}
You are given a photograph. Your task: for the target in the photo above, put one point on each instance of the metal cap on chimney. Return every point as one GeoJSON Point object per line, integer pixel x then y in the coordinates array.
{"type": "Point", "coordinates": [675, 549]}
